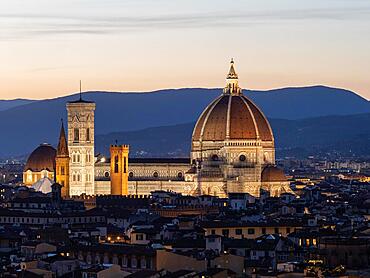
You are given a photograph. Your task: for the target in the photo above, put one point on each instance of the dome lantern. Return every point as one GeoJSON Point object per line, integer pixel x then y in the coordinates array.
{"type": "Point", "coordinates": [232, 86]}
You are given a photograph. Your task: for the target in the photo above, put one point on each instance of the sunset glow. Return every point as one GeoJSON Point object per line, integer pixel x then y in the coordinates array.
{"type": "Point", "coordinates": [46, 47]}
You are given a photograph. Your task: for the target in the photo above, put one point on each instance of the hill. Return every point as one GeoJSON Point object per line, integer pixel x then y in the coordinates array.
{"type": "Point", "coordinates": [330, 135]}
{"type": "Point", "coordinates": [8, 104]}
{"type": "Point", "coordinates": [26, 126]}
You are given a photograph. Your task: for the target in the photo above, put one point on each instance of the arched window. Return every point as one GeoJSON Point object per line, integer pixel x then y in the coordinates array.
{"type": "Point", "coordinates": [29, 176]}
{"type": "Point", "coordinates": [88, 134]}
{"type": "Point", "coordinates": [116, 164]}
{"type": "Point", "coordinates": [266, 157]}
{"type": "Point", "coordinates": [124, 165]}
{"type": "Point", "coordinates": [76, 135]}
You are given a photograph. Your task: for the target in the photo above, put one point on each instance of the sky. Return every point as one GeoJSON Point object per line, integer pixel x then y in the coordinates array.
{"type": "Point", "coordinates": [46, 46]}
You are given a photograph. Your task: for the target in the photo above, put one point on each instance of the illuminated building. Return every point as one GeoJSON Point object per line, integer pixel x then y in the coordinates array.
{"type": "Point", "coordinates": [232, 151]}
{"type": "Point", "coordinates": [81, 146]}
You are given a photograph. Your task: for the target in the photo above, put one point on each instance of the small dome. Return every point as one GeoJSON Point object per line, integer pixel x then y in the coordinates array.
{"type": "Point", "coordinates": [272, 174]}
{"type": "Point", "coordinates": [42, 158]}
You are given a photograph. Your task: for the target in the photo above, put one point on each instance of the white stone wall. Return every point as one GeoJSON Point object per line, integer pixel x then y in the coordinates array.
{"type": "Point", "coordinates": [81, 151]}
{"type": "Point", "coordinates": [165, 171]}
{"type": "Point", "coordinates": [145, 187]}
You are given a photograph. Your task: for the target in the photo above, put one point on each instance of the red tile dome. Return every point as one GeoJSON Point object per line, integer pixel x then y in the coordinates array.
{"type": "Point", "coordinates": [233, 117]}
{"type": "Point", "coordinates": [42, 158]}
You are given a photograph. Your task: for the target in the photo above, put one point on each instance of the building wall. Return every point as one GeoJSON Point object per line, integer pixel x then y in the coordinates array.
{"type": "Point", "coordinates": [229, 261]}
{"type": "Point", "coordinates": [62, 174]}
{"type": "Point", "coordinates": [146, 171]}
{"type": "Point", "coordinates": [246, 231]}
{"type": "Point", "coordinates": [354, 253]}
{"type": "Point", "coordinates": [173, 262]}
{"type": "Point", "coordinates": [146, 187]}
{"type": "Point", "coordinates": [29, 177]}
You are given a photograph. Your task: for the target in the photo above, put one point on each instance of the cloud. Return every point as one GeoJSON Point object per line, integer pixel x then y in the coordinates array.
{"type": "Point", "coordinates": [24, 26]}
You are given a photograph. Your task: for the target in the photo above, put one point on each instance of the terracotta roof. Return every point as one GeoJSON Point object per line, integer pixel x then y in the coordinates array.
{"type": "Point", "coordinates": [271, 173]}
{"type": "Point", "coordinates": [42, 158]}
{"type": "Point", "coordinates": [233, 117]}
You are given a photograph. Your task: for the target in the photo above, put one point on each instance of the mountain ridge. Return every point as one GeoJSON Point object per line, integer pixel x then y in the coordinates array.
{"type": "Point", "coordinates": [292, 137]}
{"type": "Point", "coordinates": [31, 124]}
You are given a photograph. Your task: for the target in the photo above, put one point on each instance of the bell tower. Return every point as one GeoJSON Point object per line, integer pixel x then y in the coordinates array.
{"type": "Point", "coordinates": [62, 164]}
{"type": "Point", "coordinates": [119, 169]}
{"type": "Point", "coordinates": [81, 146]}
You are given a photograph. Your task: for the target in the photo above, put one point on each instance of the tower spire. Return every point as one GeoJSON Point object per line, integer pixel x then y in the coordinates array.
{"type": "Point", "coordinates": [232, 86]}
{"type": "Point", "coordinates": [62, 149]}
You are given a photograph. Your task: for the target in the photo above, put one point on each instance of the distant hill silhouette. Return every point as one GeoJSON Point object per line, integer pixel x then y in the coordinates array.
{"type": "Point", "coordinates": [8, 104]}
{"type": "Point", "coordinates": [343, 135]}
{"type": "Point", "coordinates": [26, 126]}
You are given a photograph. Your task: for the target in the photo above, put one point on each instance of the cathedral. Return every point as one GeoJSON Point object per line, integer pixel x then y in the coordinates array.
{"type": "Point", "coordinates": [232, 151]}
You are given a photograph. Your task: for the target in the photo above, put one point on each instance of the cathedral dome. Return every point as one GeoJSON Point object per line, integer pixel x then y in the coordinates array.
{"type": "Point", "coordinates": [42, 158]}
{"type": "Point", "coordinates": [232, 116]}
{"type": "Point", "coordinates": [272, 174]}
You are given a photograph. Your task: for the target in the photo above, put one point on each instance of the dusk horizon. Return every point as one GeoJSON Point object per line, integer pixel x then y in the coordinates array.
{"type": "Point", "coordinates": [143, 45]}
{"type": "Point", "coordinates": [180, 88]}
